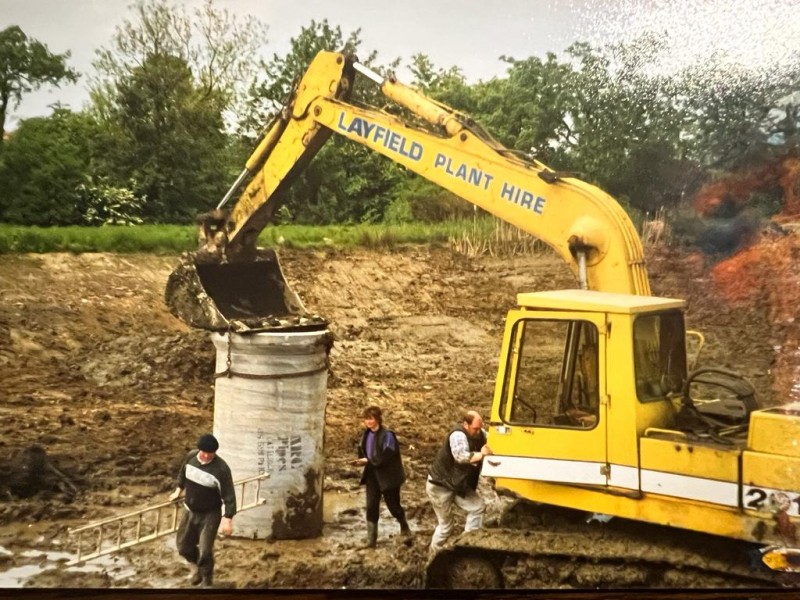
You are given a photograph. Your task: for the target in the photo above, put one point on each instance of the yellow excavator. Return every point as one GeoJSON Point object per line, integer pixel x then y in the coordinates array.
{"type": "Point", "coordinates": [595, 411]}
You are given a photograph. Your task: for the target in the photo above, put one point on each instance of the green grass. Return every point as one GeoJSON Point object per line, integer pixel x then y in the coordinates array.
{"type": "Point", "coordinates": [173, 239]}
{"type": "Point", "coordinates": [161, 239]}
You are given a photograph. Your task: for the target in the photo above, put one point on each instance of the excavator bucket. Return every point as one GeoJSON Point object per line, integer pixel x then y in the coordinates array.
{"type": "Point", "coordinates": [207, 293]}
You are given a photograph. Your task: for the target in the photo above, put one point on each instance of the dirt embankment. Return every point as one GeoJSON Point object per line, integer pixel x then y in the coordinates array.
{"type": "Point", "coordinates": [115, 390]}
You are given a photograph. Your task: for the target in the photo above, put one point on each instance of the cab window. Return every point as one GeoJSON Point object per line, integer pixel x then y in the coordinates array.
{"type": "Point", "coordinates": [553, 379]}
{"type": "Point", "coordinates": [659, 349]}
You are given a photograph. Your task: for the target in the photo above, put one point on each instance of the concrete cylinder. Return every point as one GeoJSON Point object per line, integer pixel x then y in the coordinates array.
{"type": "Point", "coordinates": [269, 417]}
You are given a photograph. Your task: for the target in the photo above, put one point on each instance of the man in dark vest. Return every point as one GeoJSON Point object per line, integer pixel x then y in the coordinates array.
{"type": "Point", "coordinates": [379, 454]}
{"type": "Point", "coordinates": [453, 477]}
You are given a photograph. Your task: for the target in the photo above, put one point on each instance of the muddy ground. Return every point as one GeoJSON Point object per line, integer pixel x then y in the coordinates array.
{"type": "Point", "coordinates": [95, 371]}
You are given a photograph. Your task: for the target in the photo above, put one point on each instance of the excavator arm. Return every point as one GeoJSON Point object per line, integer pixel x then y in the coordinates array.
{"type": "Point", "coordinates": [587, 227]}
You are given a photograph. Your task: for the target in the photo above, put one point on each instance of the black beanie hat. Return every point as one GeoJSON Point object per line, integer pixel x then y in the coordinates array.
{"type": "Point", "coordinates": [207, 443]}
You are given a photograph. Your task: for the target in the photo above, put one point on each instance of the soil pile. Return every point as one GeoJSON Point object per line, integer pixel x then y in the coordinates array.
{"type": "Point", "coordinates": [768, 274]}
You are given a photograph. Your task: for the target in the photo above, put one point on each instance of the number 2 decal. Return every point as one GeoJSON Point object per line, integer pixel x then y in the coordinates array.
{"type": "Point", "coordinates": [771, 500]}
{"type": "Point", "coordinates": [756, 500]}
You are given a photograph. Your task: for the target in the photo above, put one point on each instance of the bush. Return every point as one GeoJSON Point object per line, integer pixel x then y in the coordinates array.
{"type": "Point", "coordinates": [104, 204]}
{"type": "Point", "coordinates": [42, 166]}
{"type": "Point", "coordinates": [399, 211]}
{"type": "Point", "coordinates": [428, 203]}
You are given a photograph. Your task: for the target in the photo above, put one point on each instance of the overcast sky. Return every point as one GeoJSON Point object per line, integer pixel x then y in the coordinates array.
{"type": "Point", "coordinates": [469, 34]}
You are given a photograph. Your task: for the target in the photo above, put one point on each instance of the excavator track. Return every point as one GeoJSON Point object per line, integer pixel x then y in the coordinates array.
{"type": "Point", "coordinates": [570, 553]}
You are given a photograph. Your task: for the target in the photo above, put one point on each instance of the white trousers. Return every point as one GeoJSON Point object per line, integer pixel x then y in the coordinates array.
{"type": "Point", "coordinates": [442, 500]}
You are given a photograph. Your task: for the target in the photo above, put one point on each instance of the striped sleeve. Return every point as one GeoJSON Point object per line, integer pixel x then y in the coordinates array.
{"type": "Point", "coordinates": [228, 492]}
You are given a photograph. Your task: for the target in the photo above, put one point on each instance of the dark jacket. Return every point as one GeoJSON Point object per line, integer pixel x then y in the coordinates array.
{"type": "Point", "coordinates": [385, 464]}
{"type": "Point", "coordinates": [445, 471]}
{"type": "Point", "coordinates": [207, 486]}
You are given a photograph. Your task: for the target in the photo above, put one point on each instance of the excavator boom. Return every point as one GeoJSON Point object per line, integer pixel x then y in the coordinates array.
{"type": "Point", "coordinates": [587, 228]}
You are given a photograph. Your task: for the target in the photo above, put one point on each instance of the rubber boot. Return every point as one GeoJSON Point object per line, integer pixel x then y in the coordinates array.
{"type": "Point", "coordinates": [208, 580]}
{"type": "Point", "coordinates": [206, 573]}
{"type": "Point", "coordinates": [405, 530]}
{"type": "Point", "coordinates": [406, 535]}
{"type": "Point", "coordinates": [372, 534]}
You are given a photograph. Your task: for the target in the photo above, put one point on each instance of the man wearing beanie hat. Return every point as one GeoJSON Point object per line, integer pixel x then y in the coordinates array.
{"type": "Point", "coordinates": [208, 483]}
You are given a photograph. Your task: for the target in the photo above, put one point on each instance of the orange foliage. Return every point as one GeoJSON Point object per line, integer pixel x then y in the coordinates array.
{"type": "Point", "coordinates": [769, 270]}
{"type": "Point", "coordinates": [737, 188]}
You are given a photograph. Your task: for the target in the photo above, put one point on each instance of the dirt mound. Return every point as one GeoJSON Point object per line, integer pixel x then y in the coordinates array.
{"type": "Point", "coordinates": [115, 390]}
{"type": "Point", "coordinates": [768, 274]}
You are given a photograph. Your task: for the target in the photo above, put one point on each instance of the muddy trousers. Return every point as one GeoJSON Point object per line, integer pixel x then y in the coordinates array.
{"type": "Point", "coordinates": [442, 500]}
{"type": "Point", "coordinates": [195, 540]}
{"type": "Point", "coordinates": [391, 497]}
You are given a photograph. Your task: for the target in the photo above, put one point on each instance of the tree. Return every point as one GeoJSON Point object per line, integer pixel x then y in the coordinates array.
{"type": "Point", "coordinates": [25, 65]}
{"type": "Point", "coordinates": [167, 135]}
{"type": "Point", "coordinates": [529, 110]}
{"type": "Point", "coordinates": [220, 49]}
{"type": "Point", "coordinates": [276, 78]}
{"type": "Point", "coordinates": [162, 92]}
{"type": "Point", "coordinates": [345, 182]}
{"type": "Point", "coordinates": [596, 112]}
{"type": "Point", "coordinates": [435, 81]}
{"type": "Point", "coordinates": [629, 121]}
{"type": "Point", "coordinates": [420, 199]}
{"type": "Point", "coordinates": [42, 168]}
{"type": "Point", "coordinates": [741, 116]}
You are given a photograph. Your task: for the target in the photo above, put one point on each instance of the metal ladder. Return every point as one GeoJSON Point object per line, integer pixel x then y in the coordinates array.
{"type": "Point", "coordinates": [134, 528]}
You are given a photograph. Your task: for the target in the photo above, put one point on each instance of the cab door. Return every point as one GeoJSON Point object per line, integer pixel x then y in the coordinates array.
{"type": "Point", "coordinates": [550, 411]}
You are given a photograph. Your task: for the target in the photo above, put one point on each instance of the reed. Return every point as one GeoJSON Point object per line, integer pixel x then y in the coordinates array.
{"type": "Point", "coordinates": [656, 230]}
{"type": "Point", "coordinates": [493, 237]}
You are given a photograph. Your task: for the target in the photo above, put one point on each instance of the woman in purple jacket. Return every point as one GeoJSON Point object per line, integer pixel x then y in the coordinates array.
{"type": "Point", "coordinates": [379, 454]}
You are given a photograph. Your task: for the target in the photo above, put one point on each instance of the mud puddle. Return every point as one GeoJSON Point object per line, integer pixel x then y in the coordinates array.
{"type": "Point", "coordinates": [36, 564]}
{"type": "Point", "coordinates": [343, 529]}
{"type": "Point", "coordinates": [342, 507]}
